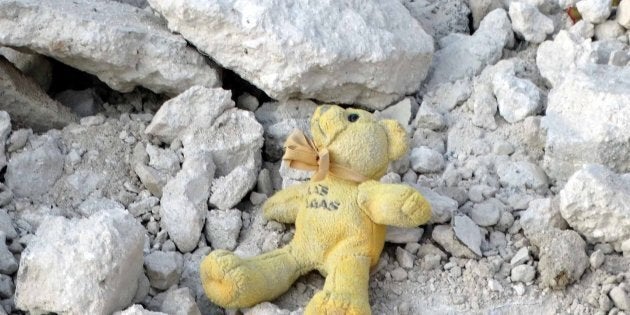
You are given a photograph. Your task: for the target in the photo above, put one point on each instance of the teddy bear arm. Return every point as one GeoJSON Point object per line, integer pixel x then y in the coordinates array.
{"type": "Point", "coordinates": [284, 205]}
{"type": "Point", "coordinates": [393, 204]}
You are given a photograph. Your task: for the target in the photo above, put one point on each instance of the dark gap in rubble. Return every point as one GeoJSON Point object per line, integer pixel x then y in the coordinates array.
{"type": "Point", "coordinates": [238, 86]}
{"type": "Point", "coordinates": [65, 77]}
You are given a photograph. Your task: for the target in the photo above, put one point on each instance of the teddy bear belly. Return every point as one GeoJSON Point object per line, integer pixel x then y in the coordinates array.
{"type": "Point", "coordinates": [327, 234]}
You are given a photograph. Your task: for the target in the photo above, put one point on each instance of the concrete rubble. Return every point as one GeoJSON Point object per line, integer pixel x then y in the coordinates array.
{"type": "Point", "coordinates": [138, 136]}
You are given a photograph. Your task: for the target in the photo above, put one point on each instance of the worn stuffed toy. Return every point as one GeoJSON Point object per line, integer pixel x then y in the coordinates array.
{"type": "Point", "coordinates": [340, 217]}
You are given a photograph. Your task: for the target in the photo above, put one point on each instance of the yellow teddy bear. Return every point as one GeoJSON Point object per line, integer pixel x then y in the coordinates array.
{"type": "Point", "coordinates": [340, 217]}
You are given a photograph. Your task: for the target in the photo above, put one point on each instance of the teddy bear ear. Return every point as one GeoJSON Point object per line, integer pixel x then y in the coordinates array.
{"type": "Point", "coordinates": [396, 137]}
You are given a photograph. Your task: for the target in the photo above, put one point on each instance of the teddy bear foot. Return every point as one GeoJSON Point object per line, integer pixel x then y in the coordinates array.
{"type": "Point", "coordinates": [223, 276]}
{"type": "Point", "coordinates": [328, 302]}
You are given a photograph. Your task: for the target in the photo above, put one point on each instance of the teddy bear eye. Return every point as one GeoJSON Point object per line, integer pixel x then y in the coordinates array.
{"type": "Point", "coordinates": [353, 117]}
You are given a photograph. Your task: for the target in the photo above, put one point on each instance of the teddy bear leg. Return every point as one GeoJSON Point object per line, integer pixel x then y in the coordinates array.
{"type": "Point", "coordinates": [345, 290]}
{"type": "Point", "coordinates": [234, 282]}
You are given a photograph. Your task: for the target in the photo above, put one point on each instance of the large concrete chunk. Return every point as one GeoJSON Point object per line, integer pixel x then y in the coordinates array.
{"type": "Point", "coordinates": [196, 107]}
{"type": "Point", "coordinates": [588, 121]}
{"type": "Point", "coordinates": [464, 56]}
{"type": "Point", "coordinates": [87, 266]}
{"type": "Point", "coordinates": [121, 45]}
{"type": "Point", "coordinates": [365, 52]}
{"type": "Point", "coordinates": [33, 172]}
{"type": "Point", "coordinates": [596, 202]}
{"type": "Point", "coordinates": [27, 103]}
{"type": "Point", "coordinates": [185, 201]}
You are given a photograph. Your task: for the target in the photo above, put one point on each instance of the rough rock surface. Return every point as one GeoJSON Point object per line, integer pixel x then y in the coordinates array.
{"type": "Point", "coordinates": [185, 201]}
{"type": "Point", "coordinates": [124, 48]}
{"type": "Point", "coordinates": [35, 66]}
{"type": "Point", "coordinates": [34, 171]}
{"type": "Point", "coordinates": [299, 51]}
{"type": "Point", "coordinates": [27, 103]}
{"type": "Point", "coordinates": [463, 56]}
{"type": "Point", "coordinates": [563, 258]}
{"type": "Point", "coordinates": [596, 202]}
{"type": "Point", "coordinates": [529, 23]}
{"type": "Point", "coordinates": [438, 17]}
{"type": "Point", "coordinates": [102, 253]}
{"type": "Point", "coordinates": [163, 269]}
{"type": "Point", "coordinates": [223, 228]}
{"type": "Point", "coordinates": [598, 94]}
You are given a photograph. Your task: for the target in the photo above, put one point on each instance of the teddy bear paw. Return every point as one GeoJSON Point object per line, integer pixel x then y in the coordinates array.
{"type": "Point", "coordinates": [333, 303]}
{"type": "Point", "coordinates": [222, 274]}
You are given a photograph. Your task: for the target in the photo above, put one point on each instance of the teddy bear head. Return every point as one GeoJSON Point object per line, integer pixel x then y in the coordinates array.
{"type": "Point", "coordinates": [357, 140]}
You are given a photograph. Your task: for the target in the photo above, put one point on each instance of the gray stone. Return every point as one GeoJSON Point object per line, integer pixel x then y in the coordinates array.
{"type": "Point", "coordinates": [137, 309]}
{"type": "Point", "coordinates": [93, 205]}
{"type": "Point", "coordinates": [280, 119]}
{"type": "Point", "coordinates": [529, 23]}
{"type": "Point", "coordinates": [197, 107]}
{"type": "Point", "coordinates": [7, 289]}
{"type": "Point", "coordinates": [192, 280]}
{"type": "Point", "coordinates": [267, 308]}
{"type": "Point", "coordinates": [122, 46]}
{"type": "Point", "coordinates": [562, 257]}
{"type": "Point", "coordinates": [18, 139]}
{"type": "Point", "coordinates": [143, 206]}
{"type": "Point", "coordinates": [82, 102]}
{"type": "Point", "coordinates": [400, 112]}
{"type": "Point", "coordinates": [152, 179]}
{"type": "Point", "coordinates": [516, 98]}
{"type": "Point", "coordinates": [596, 202]}
{"type": "Point", "coordinates": [26, 102]}
{"type": "Point", "coordinates": [442, 207]}
{"type": "Point", "coordinates": [484, 105]}
{"type": "Point", "coordinates": [8, 264]}
{"type": "Point", "coordinates": [445, 237]}
{"type": "Point", "coordinates": [247, 101]}
{"type": "Point", "coordinates": [5, 129]}
{"type": "Point", "coordinates": [6, 225]}
{"type": "Point", "coordinates": [589, 97]}
{"type": "Point", "coordinates": [541, 214]}
{"type": "Point", "coordinates": [521, 174]}
{"type": "Point", "coordinates": [223, 228]}
{"type": "Point", "coordinates": [594, 11]}
{"type": "Point", "coordinates": [609, 30]}
{"type": "Point", "coordinates": [620, 297]}
{"type": "Point", "coordinates": [446, 96]}
{"type": "Point", "coordinates": [487, 213]}
{"type": "Point", "coordinates": [583, 29]}
{"type": "Point", "coordinates": [429, 118]}
{"type": "Point", "coordinates": [623, 14]}
{"type": "Point", "coordinates": [426, 160]}
{"type": "Point", "coordinates": [163, 269]}
{"type": "Point", "coordinates": [32, 172]}
{"type": "Point", "coordinates": [185, 201]}
{"type": "Point", "coordinates": [597, 259]}
{"type": "Point", "coordinates": [480, 8]}
{"type": "Point", "coordinates": [399, 274]}
{"type": "Point", "coordinates": [404, 258]}
{"type": "Point", "coordinates": [164, 160]}
{"type": "Point", "coordinates": [465, 56]}
{"type": "Point", "coordinates": [398, 235]}
{"type": "Point", "coordinates": [180, 302]}
{"type": "Point", "coordinates": [523, 273]}
{"type": "Point", "coordinates": [97, 273]}
{"type": "Point", "coordinates": [468, 233]}
{"type": "Point", "coordinates": [438, 17]}
{"type": "Point", "coordinates": [290, 51]}
{"type": "Point", "coordinates": [521, 257]}
{"type": "Point", "coordinates": [231, 137]}
{"type": "Point", "coordinates": [34, 66]}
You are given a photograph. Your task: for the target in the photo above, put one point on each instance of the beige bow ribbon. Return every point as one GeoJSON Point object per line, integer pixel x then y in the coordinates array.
{"type": "Point", "coordinates": [301, 153]}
